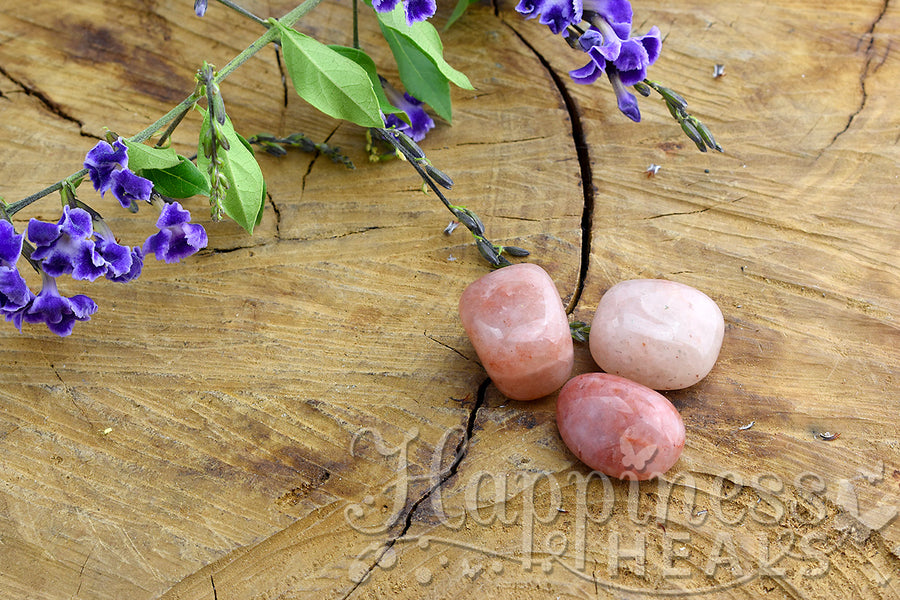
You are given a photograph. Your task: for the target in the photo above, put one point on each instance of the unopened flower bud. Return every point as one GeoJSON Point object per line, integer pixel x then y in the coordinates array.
{"type": "Point", "coordinates": [643, 89]}
{"type": "Point", "coordinates": [441, 178]}
{"type": "Point", "coordinates": [488, 251]}
{"type": "Point", "coordinates": [469, 219]}
{"type": "Point", "coordinates": [691, 131]}
{"type": "Point", "coordinates": [706, 135]}
{"type": "Point", "coordinates": [412, 148]}
{"type": "Point", "coordinates": [273, 149]}
{"type": "Point", "coordinates": [516, 251]}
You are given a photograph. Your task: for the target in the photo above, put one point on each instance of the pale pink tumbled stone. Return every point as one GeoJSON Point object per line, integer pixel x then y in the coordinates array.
{"type": "Point", "coordinates": [663, 334]}
{"type": "Point", "coordinates": [619, 427]}
{"type": "Point", "coordinates": [517, 324]}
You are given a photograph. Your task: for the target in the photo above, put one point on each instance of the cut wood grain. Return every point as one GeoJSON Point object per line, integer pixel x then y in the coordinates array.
{"type": "Point", "coordinates": [298, 414]}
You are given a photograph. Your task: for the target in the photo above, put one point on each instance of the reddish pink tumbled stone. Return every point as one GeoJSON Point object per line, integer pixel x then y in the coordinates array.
{"type": "Point", "coordinates": [663, 334]}
{"type": "Point", "coordinates": [517, 324]}
{"type": "Point", "coordinates": [619, 427]}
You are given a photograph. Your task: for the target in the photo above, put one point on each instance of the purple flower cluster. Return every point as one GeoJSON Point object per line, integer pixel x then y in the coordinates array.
{"type": "Point", "coordinates": [71, 247]}
{"type": "Point", "coordinates": [18, 303]}
{"type": "Point", "coordinates": [82, 246]}
{"type": "Point", "coordinates": [107, 166]}
{"type": "Point", "coordinates": [416, 10]}
{"type": "Point", "coordinates": [607, 42]}
{"type": "Point", "coordinates": [419, 121]}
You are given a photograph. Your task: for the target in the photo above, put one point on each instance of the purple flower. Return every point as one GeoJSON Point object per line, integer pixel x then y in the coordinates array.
{"type": "Point", "coordinates": [14, 295]}
{"type": "Point", "coordinates": [14, 292]}
{"type": "Point", "coordinates": [58, 312]}
{"type": "Point", "coordinates": [102, 160]}
{"type": "Point", "coordinates": [419, 10]}
{"type": "Point", "coordinates": [67, 247]}
{"type": "Point", "coordinates": [555, 14]}
{"type": "Point", "coordinates": [613, 51]}
{"type": "Point", "coordinates": [128, 187]}
{"type": "Point", "coordinates": [630, 56]}
{"type": "Point", "coordinates": [419, 121]}
{"type": "Point", "coordinates": [199, 7]}
{"type": "Point", "coordinates": [10, 244]}
{"type": "Point", "coordinates": [123, 263]}
{"type": "Point", "coordinates": [617, 13]}
{"type": "Point", "coordinates": [107, 166]}
{"type": "Point", "coordinates": [134, 271]}
{"type": "Point", "coordinates": [177, 237]}
{"type": "Point", "coordinates": [626, 100]}
{"type": "Point", "coordinates": [416, 10]}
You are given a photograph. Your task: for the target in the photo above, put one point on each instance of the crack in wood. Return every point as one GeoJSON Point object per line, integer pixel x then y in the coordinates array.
{"type": "Point", "coordinates": [867, 68]}
{"type": "Point", "coordinates": [579, 139]}
{"type": "Point", "coordinates": [284, 85]}
{"type": "Point", "coordinates": [448, 347]}
{"type": "Point", "coordinates": [47, 103]}
{"type": "Point", "coordinates": [462, 450]}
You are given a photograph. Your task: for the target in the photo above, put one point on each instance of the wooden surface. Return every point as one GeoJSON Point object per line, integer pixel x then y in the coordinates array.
{"type": "Point", "coordinates": [262, 421]}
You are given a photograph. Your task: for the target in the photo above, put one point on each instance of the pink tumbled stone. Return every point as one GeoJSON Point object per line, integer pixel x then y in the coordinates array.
{"type": "Point", "coordinates": [663, 334]}
{"type": "Point", "coordinates": [517, 324]}
{"type": "Point", "coordinates": [619, 427]}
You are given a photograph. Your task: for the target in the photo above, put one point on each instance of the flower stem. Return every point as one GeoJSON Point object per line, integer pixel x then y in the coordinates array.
{"type": "Point", "coordinates": [269, 36]}
{"type": "Point", "coordinates": [240, 9]}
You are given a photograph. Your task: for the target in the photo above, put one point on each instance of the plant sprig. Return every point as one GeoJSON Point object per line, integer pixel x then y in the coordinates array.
{"type": "Point", "coordinates": [435, 179]}
{"type": "Point", "coordinates": [691, 125]}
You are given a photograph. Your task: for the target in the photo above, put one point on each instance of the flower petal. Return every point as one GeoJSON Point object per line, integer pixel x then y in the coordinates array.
{"type": "Point", "coordinates": [587, 74]}
{"type": "Point", "coordinates": [102, 160]}
{"type": "Point", "coordinates": [129, 188]}
{"type": "Point", "coordinates": [384, 5]}
{"type": "Point", "coordinates": [10, 244]}
{"type": "Point", "coordinates": [419, 10]}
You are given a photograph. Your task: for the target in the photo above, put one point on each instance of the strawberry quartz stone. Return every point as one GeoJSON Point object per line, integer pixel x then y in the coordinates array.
{"type": "Point", "coordinates": [518, 326]}
{"type": "Point", "coordinates": [618, 427]}
{"type": "Point", "coordinates": [663, 334]}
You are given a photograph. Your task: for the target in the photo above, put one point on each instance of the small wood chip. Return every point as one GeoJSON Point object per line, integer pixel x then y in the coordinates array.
{"type": "Point", "coordinates": [747, 426]}
{"type": "Point", "coordinates": [828, 436]}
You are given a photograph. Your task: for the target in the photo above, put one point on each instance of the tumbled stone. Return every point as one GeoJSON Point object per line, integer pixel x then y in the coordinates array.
{"type": "Point", "coordinates": [517, 324]}
{"type": "Point", "coordinates": [663, 334]}
{"type": "Point", "coordinates": [619, 427]}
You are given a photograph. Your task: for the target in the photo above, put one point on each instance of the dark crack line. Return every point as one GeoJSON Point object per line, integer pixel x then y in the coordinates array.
{"type": "Point", "coordinates": [448, 347]}
{"type": "Point", "coordinates": [584, 164]}
{"type": "Point", "coordinates": [49, 104]}
{"type": "Point", "coordinates": [867, 68]}
{"type": "Point", "coordinates": [694, 212]}
{"type": "Point", "coordinates": [213, 582]}
{"type": "Point", "coordinates": [284, 85]}
{"type": "Point", "coordinates": [277, 212]}
{"type": "Point", "coordinates": [462, 449]}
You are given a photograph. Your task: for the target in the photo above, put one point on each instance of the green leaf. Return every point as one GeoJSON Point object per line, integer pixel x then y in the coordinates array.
{"type": "Point", "coordinates": [363, 60]}
{"type": "Point", "coordinates": [419, 74]}
{"type": "Point", "coordinates": [181, 181]}
{"type": "Point", "coordinates": [142, 156]}
{"type": "Point", "coordinates": [458, 11]}
{"type": "Point", "coordinates": [426, 38]}
{"type": "Point", "coordinates": [244, 197]}
{"type": "Point", "coordinates": [331, 82]}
